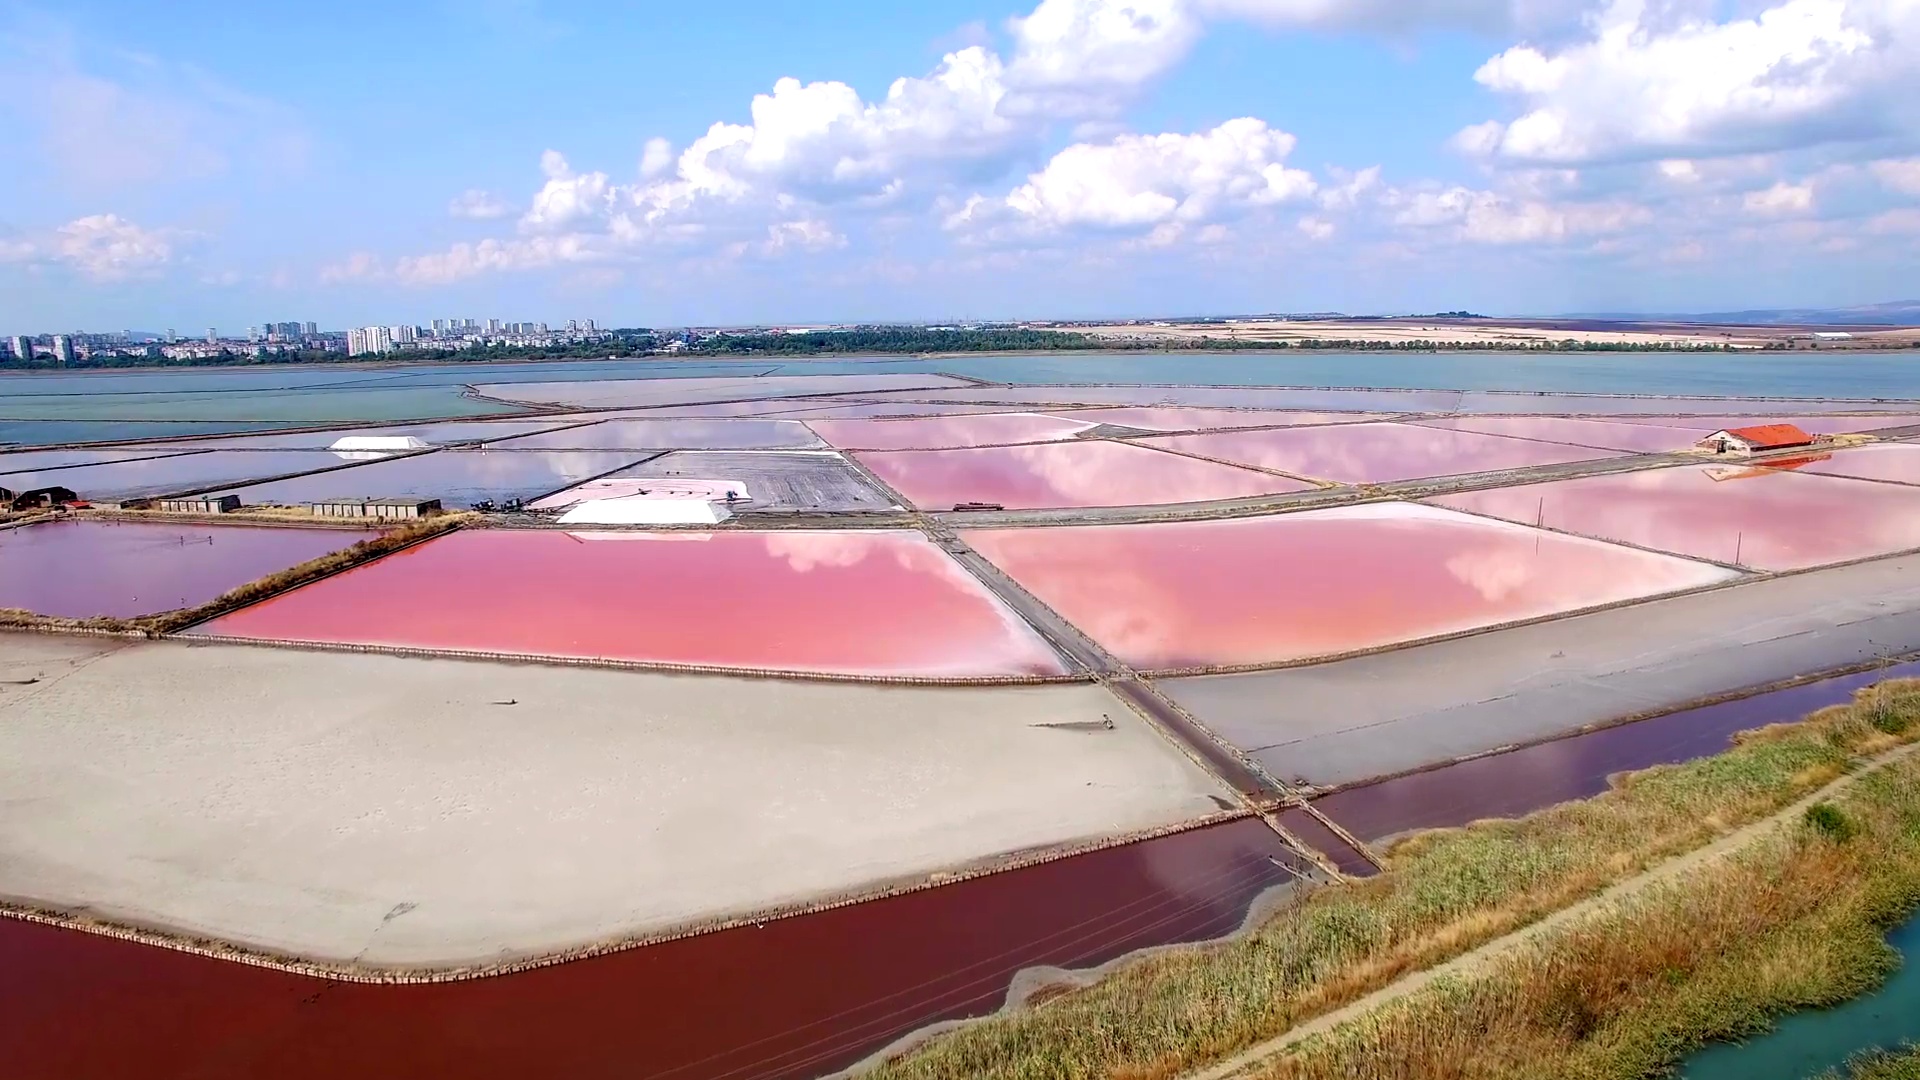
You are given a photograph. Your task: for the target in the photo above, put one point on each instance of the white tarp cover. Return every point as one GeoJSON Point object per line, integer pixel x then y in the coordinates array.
{"type": "Point", "coordinates": [646, 512]}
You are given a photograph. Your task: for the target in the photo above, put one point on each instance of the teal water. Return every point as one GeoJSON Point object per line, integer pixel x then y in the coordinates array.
{"type": "Point", "coordinates": [1805, 1044]}
{"type": "Point", "coordinates": [258, 398]}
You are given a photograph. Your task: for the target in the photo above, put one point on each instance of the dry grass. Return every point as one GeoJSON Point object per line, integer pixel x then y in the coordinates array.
{"type": "Point", "coordinates": [333, 562]}
{"type": "Point", "coordinates": [1443, 894]}
{"type": "Point", "coordinates": [1902, 1064]}
{"type": "Point", "coordinates": [1796, 922]}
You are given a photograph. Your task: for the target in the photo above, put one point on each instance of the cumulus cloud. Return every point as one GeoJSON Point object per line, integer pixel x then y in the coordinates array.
{"type": "Point", "coordinates": [1902, 176]}
{"type": "Point", "coordinates": [107, 247]}
{"type": "Point", "coordinates": [804, 234]}
{"type": "Point", "coordinates": [1781, 198]}
{"type": "Point", "coordinates": [1656, 81]}
{"type": "Point", "coordinates": [568, 199]}
{"type": "Point", "coordinates": [1146, 182]}
{"type": "Point", "coordinates": [478, 205]}
{"type": "Point", "coordinates": [656, 158]}
{"type": "Point", "coordinates": [1491, 217]}
{"type": "Point", "coordinates": [1077, 58]}
{"type": "Point", "coordinates": [1401, 16]}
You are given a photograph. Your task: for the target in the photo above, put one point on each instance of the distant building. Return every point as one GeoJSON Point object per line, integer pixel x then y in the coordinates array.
{"type": "Point", "coordinates": [1747, 441]}
{"type": "Point", "coordinates": [1832, 335]}
{"type": "Point", "coordinates": [23, 348]}
{"type": "Point", "coordinates": [439, 327]}
{"type": "Point", "coordinates": [312, 329]}
{"type": "Point", "coordinates": [493, 326]}
{"type": "Point", "coordinates": [213, 336]}
{"type": "Point", "coordinates": [588, 325]}
{"type": "Point", "coordinates": [171, 336]}
{"type": "Point", "coordinates": [405, 334]}
{"type": "Point", "coordinates": [62, 350]}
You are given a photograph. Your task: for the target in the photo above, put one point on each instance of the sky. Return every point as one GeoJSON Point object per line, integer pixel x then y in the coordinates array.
{"type": "Point", "coordinates": [216, 163]}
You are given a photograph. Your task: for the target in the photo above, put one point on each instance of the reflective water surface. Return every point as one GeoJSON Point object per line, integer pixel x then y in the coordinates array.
{"type": "Point", "coordinates": [857, 603]}
{"type": "Point", "coordinates": [1637, 438]}
{"type": "Point", "coordinates": [676, 434]}
{"type": "Point", "coordinates": [1047, 475]}
{"type": "Point", "coordinates": [175, 473]}
{"type": "Point", "coordinates": [1815, 425]}
{"type": "Point", "coordinates": [80, 569]}
{"type": "Point", "coordinates": [1318, 583]}
{"type": "Point", "coordinates": [944, 432]}
{"type": "Point", "coordinates": [1176, 418]}
{"type": "Point", "coordinates": [1768, 518]}
{"type": "Point", "coordinates": [788, 1000]}
{"type": "Point", "coordinates": [1895, 462]}
{"type": "Point", "coordinates": [33, 461]}
{"type": "Point", "coordinates": [461, 431]}
{"type": "Point", "coordinates": [459, 478]}
{"type": "Point", "coordinates": [1375, 453]}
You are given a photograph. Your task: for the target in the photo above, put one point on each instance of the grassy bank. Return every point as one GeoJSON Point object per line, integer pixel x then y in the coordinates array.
{"type": "Point", "coordinates": [1797, 921]}
{"type": "Point", "coordinates": [1442, 894]}
{"type": "Point", "coordinates": [1882, 1065]}
{"type": "Point", "coordinates": [389, 540]}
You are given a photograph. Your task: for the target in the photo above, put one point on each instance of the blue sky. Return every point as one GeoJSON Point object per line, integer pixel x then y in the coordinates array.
{"type": "Point", "coordinates": [215, 163]}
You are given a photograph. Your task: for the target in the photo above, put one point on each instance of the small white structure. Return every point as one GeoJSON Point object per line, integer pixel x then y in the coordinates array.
{"type": "Point", "coordinates": [384, 444]}
{"type": "Point", "coordinates": [644, 511]}
{"type": "Point", "coordinates": [1747, 441]}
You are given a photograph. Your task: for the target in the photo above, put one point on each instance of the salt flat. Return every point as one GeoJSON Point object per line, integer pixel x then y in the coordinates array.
{"type": "Point", "coordinates": [422, 813]}
{"type": "Point", "coordinates": [1352, 720]}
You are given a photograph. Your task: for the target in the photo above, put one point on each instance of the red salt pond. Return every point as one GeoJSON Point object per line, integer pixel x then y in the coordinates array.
{"type": "Point", "coordinates": [1605, 435]}
{"type": "Point", "coordinates": [80, 569]}
{"type": "Point", "coordinates": [1176, 418]}
{"type": "Point", "coordinates": [794, 998]}
{"type": "Point", "coordinates": [1312, 833]}
{"type": "Point", "coordinates": [1522, 781]}
{"type": "Point", "coordinates": [1374, 453]}
{"type": "Point", "coordinates": [1051, 475]}
{"type": "Point", "coordinates": [1768, 518]}
{"type": "Point", "coordinates": [1315, 584]}
{"type": "Point", "coordinates": [1894, 462]}
{"type": "Point", "coordinates": [945, 432]}
{"type": "Point", "coordinates": [849, 603]}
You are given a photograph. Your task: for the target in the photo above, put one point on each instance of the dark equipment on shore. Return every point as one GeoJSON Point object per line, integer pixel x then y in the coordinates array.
{"type": "Point", "coordinates": [970, 506]}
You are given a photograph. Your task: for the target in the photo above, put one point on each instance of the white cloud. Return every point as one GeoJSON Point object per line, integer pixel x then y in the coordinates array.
{"type": "Point", "coordinates": [805, 234]}
{"type": "Point", "coordinates": [1656, 81]}
{"type": "Point", "coordinates": [1902, 222]}
{"type": "Point", "coordinates": [107, 247]}
{"type": "Point", "coordinates": [1316, 228]}
{"type": "Point", "coordinates": [1781, 198]}
{"type": "Point", "coordinates": [1401, 16]}
{"type": "Point", "coordinates": [478, 205]}
{"type": "Point", "coordinates": [1144, 181]}
{"type": "Point", "coordinates": [1902, 176]}
{"type": "Point", "coordinates": [1086, 57]}
{"type": "Point", "coordinates": [469, 260]}
{"type": "Point", "coordinates": [1489, 217]}
{"type": "Point", "coordinates": [656, 158]}
{"type": "Point", "coordinates": [567, 199]}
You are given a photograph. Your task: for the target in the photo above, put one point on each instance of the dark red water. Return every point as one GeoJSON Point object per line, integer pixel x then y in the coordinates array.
{"type": "Point", "coordinates": [1327, 842]}
{"type": "Point", "coordinates": [797, 998]}
{"type": "Point", "coordinates": [1508, 785]}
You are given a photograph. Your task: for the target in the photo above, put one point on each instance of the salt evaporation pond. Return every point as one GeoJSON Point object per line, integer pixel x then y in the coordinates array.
{"type": "Point", "coordinates": [87, 568]}
{"type": "Point", "coordinates": [1314, 584]}
{"type": "Point", "coordinates": [790, 999]}
{"type": "Point", "coordinates": [1177, 418]}
{"type": "Point", "coordinates": [458, 478]}
{"type": "Point", "coordinates": [459, 431]}
{"type": "Point", "coordinates": [877, 603]}
{"type": "Point", "coordinates": [743, 434]}
{"type": "Point", "coordinates": [1055, 475]}
{"type": "Point", "coordinates": [1897, 463]}
{"type": "Point", "coordinates": [174, 474]}
{"type": "Point", "coordinates": [1814, 424]}
{"type": "Point", "coordinates": [36, 461]}
{"type": "Point", "coordinates": [1375, 453]}
{"type": "Point", "coordinates": [1766, 517]}
{"type": "Point", "coordinates": [1602, 434]}
{"type": "Point", "coordinates": [947, 432]}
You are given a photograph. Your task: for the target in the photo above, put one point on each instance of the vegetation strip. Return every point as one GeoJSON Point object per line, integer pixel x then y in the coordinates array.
{"type": "Point", "coordinates": [1903, 1064]}
{"type": "Point", "coordinates": [1443, 894]}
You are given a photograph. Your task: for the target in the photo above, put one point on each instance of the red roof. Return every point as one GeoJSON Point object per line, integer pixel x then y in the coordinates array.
{"type": "Point", "coordinates": [1767, 436]}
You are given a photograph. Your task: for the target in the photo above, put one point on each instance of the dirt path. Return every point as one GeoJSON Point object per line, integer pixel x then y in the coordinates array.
{"type": "Point", "coordinates": [1239, 1065]}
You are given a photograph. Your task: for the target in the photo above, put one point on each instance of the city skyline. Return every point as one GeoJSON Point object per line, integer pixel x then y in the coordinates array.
{"type": "Point", "coordinates": [961, 160]}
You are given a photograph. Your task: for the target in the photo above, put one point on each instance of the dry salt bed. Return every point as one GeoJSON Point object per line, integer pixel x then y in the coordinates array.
{"type": "Point", "coordinates": [86, 568]}
{"type": "Point", "coordinates": [1761, 516]}
{"type": "Point", "coordinates": [176, 473]}
{"type": "Point", "coordinates": [948, 432]}
{"type": "Point", "coordinates": [881, 603]}
{"type": "Point", "coordinates": [393, 811]}
{"type": "Point", "coordinates": [461, 432]}
{"type": "Point", "coordinates": [1375, 453]}
{"type": "Point", "coordinates": [1603, 434]}
{"type": "Point", "coordinates": [805, 481]}
{"type": "Point", "coordinates": [615, 393]}
{"type": "Point", "coordinates": [1357, 719]}
{"type": "Point", "coordinates": [674, 434]}
{"type": "Point", "coordinates": [1317, 583]}
{"type": "Point", "coordinates": [458, 478]}
{"type": "Point", "coordinates": [1071, 474]}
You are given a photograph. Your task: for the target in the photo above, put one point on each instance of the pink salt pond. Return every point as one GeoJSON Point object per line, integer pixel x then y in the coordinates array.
{"type": "Point", "coordinates": [1770, 518]}
{"type": "Point", "coordinates": [1817, 425]}
{"type": "Point", "coordinates": [82, 569]}
{"type": "Point", "coordinates": [1375, 453]}
{"type": "Point", "coordinates": [1178, 418]}
{"type": "Point", "coordinates": [1055, 475]}
{"type": "Point", "coordinates": [1603, 434]}
{"type": "Point", "coordinates": [946, 432]}
{"type": "Point", "coordinates": [1316, 584]}
{"type": "Point", "coordinates": [1897, 463]}
{"type": "Point", "coordinates": [882, 603]}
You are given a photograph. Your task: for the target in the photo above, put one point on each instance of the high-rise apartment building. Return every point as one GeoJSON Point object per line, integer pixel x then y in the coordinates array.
{"type": "Point", "coordinates": [312, 329]}
{"type": "Point", "coordinates": [213, 336]}
{"type": "Point", "coordinates": [493, 326]}
{"type": "Point", "coordinates": [439, 327]}
{"type": "Point", "coordinates": [589, 326]}
{"type": "Point", "coordinates": [62, 350]}
{"type": "Point", "coordinates": [23, 348]}
{"type": "Point", "coordinates": [405, 334]}
{"type": "Point", "coordinates": [171, 336]}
